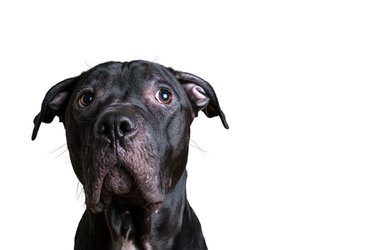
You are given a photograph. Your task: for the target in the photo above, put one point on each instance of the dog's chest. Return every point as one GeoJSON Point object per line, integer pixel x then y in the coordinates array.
{"type": "Point", "coordinates": [128, 245]}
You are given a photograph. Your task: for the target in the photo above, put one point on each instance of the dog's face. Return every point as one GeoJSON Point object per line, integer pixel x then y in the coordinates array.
{"type": "Point", "coordinates": [127, 128]}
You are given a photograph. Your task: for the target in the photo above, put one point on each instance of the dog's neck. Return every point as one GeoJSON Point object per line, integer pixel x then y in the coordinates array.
{"type": "Point", "coordinates": [142, 228]}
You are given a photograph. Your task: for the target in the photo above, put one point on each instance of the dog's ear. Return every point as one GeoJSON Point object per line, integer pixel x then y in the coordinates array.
{"type": "Point", "coordinates": [201, 95]}
{"type": "Point", "coordinates": [54, 103]}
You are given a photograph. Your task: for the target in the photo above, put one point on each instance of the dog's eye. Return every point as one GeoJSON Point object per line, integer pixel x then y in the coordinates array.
{"type": "Point", "coordinates": [163, 96]}
{"type": "Point", "coordinates": [85, 99]}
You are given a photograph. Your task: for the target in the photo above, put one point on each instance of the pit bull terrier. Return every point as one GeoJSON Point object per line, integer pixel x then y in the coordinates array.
{"type": "Point", "coordinates": [127, 129]}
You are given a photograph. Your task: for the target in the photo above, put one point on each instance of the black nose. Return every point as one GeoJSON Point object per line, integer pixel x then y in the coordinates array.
{"type": "Point", "coordinates": [114, 126]}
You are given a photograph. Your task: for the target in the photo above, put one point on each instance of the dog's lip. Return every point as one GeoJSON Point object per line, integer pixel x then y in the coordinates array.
{"type": "Point", "coordinates": [93, 199]}
{"type": "Point", "coordinates": [101, 197]}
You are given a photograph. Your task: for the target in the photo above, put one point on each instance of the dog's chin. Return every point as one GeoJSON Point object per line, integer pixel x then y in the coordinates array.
{"type": "Point", "coordinates": [125, 200]}
{"type": "Point", "coordinates": [119, 187]}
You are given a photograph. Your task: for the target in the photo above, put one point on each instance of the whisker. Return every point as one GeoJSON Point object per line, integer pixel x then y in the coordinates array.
{"type": "Point", "coordinates": [195, 145]}
{"type": "Point", "coordinates": [87, 64]}
{"type": "Point", "coordinates": [79, 191]}
{"type": "Point", "coordinates": [53, 151]}
{"type": "Point", "coordinates": [61, 153]}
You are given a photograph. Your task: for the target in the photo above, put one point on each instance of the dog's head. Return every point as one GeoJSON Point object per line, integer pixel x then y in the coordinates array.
{"type": "Point", "coordinates": [127, 128]}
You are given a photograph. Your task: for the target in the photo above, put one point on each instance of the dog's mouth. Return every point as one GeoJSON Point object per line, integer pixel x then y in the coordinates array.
{"type": "Point", "coordinates": [119, 184]}
{"type": "Point", "coordinates": [122, 168]}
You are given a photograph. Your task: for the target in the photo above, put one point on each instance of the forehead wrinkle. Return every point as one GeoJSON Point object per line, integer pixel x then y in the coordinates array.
{"type": "Point", "coordinates": [148, 71]}
{"type": "Point", "coordinates": [144, 78]}
{"type": "Point", "coordinates": [97, 78]}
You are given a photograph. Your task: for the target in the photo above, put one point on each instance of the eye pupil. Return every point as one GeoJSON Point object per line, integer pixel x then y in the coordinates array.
{"type": "Point", "coordinates": [86, 99]}
{"type": "Point", "coordinates": [163, 96]}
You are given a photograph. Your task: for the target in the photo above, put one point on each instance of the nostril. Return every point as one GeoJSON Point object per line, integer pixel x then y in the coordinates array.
{"type": "Point", "coordinates": [125, 126]}
{"type": "Point", "coordinates": [114, 126]}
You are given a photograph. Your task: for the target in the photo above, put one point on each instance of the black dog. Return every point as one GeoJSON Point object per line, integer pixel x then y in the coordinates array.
{"type": "Point", "coordinates": [127, 129]}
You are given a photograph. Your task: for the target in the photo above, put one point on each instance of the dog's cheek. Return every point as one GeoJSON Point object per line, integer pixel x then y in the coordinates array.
{"type": "Point", "coordinates": [76, 161]}
{"type": "Point", "coordinates": [177, 151]}
{"type": "Point", "coordinates": [76, 144]}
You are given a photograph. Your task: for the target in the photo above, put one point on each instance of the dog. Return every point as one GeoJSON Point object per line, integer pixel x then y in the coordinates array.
{"type": "Point", "coordinates": [127, 129]}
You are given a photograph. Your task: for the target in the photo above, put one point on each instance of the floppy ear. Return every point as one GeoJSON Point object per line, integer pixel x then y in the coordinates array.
{"type": "Point", "coordinates": [54, 103]}
{"type": "Point", "coordinates": [201, 95]}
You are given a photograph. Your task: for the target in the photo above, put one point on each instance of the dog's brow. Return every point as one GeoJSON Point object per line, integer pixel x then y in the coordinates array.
{"type": "Point", "coordinates": [157, 81]}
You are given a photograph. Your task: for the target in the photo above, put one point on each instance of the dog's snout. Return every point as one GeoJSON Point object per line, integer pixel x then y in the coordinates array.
{"type": "Point", "coordinates": [115, 126]}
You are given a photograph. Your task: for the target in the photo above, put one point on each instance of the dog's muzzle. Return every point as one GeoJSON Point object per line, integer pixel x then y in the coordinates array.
{"type": "Point", "coordinates": [123, 161]}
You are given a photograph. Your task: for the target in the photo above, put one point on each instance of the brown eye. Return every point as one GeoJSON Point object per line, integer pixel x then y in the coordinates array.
{"type": "Point", "coordinates": [86, 99]}
{"type": "Point", "coordinates": [163, 96]}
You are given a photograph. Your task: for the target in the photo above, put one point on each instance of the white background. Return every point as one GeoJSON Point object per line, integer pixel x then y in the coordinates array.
{"type": "Point", "coordinates": [295, 79]}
